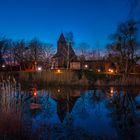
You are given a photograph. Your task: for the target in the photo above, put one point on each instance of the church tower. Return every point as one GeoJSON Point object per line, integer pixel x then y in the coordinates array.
{"type": "Point", "coordinates": [64, 55]}
{"type": "Point", "coordinates": [61, 44]}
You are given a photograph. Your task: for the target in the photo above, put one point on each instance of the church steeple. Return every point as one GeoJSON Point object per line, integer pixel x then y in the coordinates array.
{"type": "Point", "coordinates": [64, 51]}
{"type": "Point", "coordinates": [62, 38]}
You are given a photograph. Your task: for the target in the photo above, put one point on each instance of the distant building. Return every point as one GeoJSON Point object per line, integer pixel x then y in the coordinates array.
{"type": "Point", "coordinates": [96, 65]}
{"type": "Point", "coordinates": [75, 65]}
{"type": "Point", "coordinates": [136, 69]}
{"type": "Point", "coordinates": [64, 55]}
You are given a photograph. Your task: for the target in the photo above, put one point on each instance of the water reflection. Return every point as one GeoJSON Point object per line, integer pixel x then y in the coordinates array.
{"type": "Point", "coordinates": [68, 113]}
{"type": "Point", "coordinates": [124, 113]}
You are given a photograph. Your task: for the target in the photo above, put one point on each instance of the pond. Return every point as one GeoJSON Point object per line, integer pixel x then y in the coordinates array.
{"type": "Point", "coordinates": [59, 113]}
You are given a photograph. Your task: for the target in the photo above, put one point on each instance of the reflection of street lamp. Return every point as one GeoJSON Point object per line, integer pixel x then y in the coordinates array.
{"type": "Point", "coordinates": [34, 90]}
{"type": "Point", "coordinates": [111, 91]}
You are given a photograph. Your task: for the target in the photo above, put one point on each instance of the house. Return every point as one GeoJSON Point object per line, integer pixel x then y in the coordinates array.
{"type": "Point", "coordinates": [96, 65]}
{"type": "Point", "coordinates": [64, 55]}
{"type": "Point", "coordinates": [136, 69]}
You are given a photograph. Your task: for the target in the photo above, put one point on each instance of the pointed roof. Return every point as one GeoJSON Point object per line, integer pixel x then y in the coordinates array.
{"type": "Point", "coordinates": [62, 38]}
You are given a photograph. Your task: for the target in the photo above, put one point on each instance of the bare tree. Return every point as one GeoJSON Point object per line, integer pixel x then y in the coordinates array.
{"type": "Point", "coordinates": [48, 52]}
{"type": "Point", "coordinates": [83, 51]}
{"type": "Point", "coordinates": [19, 52]}
{"type": "Point", "coordinates": [4, 45]}
{"type": "Point", "coordinates": [70, 54]}
{"type": "Point", "coordinates": [125, 45]}
{"type": "Point", "coordinates": [40, 52]}
{"type": "Point", "coordinates": [36, 52]}
{"type": "Point", "coordinates": [69, 38]}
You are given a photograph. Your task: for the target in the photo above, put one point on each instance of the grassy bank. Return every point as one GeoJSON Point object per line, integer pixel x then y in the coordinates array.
{"type": "Point", "coordinates": [73, 78]}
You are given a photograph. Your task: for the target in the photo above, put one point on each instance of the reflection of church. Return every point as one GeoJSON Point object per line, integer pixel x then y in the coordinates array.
{"type": "Point", "coordinates": [64, 55]}
{"type": "Point", "coordinates": [65, 106]}
{"type": "Point", "coordinates": [65, 100]}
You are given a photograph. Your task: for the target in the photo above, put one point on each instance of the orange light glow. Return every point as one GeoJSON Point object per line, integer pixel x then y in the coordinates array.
{"type": "Point", "coordinates": [35, 94]}
{"type": "Point", "coordinates": [58, 90]}
{"type": "Point", "coordinates": [58, 71]}
{"type": "Point", "coordinates": [34, 91]}
{"type": "Point", "coordinates": [111, 91]}
{"type": "Point", "coordinates": [111, 70]}
{"type": "Point", "coordinates": [86, 66]}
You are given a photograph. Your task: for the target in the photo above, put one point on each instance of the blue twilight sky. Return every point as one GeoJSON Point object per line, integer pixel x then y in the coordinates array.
{"type": "Point", "coordinates": [91, 21]}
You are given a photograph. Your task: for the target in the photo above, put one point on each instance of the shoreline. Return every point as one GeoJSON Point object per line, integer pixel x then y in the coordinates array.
{"type": "Point", "coordinates": [71, 78]}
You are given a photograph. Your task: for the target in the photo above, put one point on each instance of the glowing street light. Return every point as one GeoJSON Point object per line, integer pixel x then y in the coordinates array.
{"type": "Point", "coordinates": [39, 68]}
{"type": "Point", "coordinates": [58, 90]}
{"type": "Point", "coordinates": [58, 71]}
{"type": "Point", "coordinates": [99, 70]}
{"type": "Point", "coordinates": [3, 66]}
{"type": "Point", "coordinates": [86, 66]}
{"type": "Point", "coordinates": [111, 70]}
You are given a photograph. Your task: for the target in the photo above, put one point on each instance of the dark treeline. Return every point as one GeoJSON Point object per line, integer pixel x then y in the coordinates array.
{"type": "Point", "coordinates": [24, 53]}
{"type": "Point", "coordinates": [122, 51]}
{"type": "Point", "coordinates": [29, 54]}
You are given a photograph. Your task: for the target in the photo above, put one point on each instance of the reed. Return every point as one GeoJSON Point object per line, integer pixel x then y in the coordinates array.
{"type": "Point", "coordinates": [70, 78]}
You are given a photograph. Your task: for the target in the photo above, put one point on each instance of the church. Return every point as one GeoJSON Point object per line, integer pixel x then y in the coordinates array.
{"type": "Point", "coordinates": [64, 55]}
{"type": "Point", "coordinates": [65, 58]}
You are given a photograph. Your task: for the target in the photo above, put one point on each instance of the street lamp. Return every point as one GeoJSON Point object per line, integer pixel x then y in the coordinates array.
{"type": "Point", "coordinates": [39, 68]}
{"type": "Point", "coordinates": [3, 66]}
{"type": "Point", "coordinates": [58, 71]}
{"type": "Point", "coordinates": [58, 90]}
{"type": "Point", "coordinates": [86, 66]}
{"type": "Point", "coordinates": [111, 70]}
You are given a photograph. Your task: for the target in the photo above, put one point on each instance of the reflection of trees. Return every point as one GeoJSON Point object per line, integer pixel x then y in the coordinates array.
{"type": "Point", "coordinates": [48, 109]}
{"type": "Point", "coordinates": [123, 113]}
{"type": "Point", "coordinates": [65, 99]}
{"type": "Point", "coordinates": [16, 118]}
{"type": "Point", "coordinates": [96, 98]}
{"type": "Point", "coordinates": [98, 95]}
{"type": "Point", "coordinates": [46, 104]}
{"type": "Point", "coordinates": [82, 107]}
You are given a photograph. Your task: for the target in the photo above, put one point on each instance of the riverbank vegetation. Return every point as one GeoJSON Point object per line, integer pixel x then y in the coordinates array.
{"type": "Point", "coordinates": [72, 78]}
